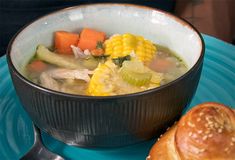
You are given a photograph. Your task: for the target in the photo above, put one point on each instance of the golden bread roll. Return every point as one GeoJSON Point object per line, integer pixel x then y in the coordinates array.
{"type": "Point", "coordinates": [206, 132]}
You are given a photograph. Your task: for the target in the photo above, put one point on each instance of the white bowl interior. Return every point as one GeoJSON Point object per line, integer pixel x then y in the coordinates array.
{"type": "Point", "coordinates": [154, 25]}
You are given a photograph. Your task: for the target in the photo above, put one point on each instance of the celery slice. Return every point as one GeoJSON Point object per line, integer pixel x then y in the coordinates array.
{"type": "Point", "coordinates": [133, 73]}
{"type": "Point", "coordinates": [64, 61]}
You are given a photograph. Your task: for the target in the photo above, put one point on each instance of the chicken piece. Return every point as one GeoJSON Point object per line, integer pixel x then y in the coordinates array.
{"type": "Point", "coordinates": [78, 53]}
{"type": "Point", "coordinates": [62, 73]}
{"type": "Point", "coordinates": [74, 87]}
{"type": "Point", "coordinates": [48, 82]}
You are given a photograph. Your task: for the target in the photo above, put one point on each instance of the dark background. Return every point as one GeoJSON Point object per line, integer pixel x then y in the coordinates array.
{"type": "Point", "coordinates": [14, 14]}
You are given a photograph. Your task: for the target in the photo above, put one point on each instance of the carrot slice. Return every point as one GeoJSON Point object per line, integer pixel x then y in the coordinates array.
{"type": "Point", "coordinates": [37, 66]}
{"type": "Point", "coordinates": [64, 40]}
{"type": "Point", "coordinates": [89, 38]}
{"type": "Point", "coordinates": [161, 65]}
{"type": "Point", "coordinates": [97, 52]}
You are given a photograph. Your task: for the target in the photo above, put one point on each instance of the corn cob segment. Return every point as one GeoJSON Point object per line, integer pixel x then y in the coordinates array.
{"type": "Point", "coordinates": [100, 83]}
{"type": "Point", "coordinates": [123, 45]}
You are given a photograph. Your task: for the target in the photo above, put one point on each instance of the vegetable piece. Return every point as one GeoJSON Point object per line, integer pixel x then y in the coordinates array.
{"type": "Point", "coordinates": [118, 61]}
{"type": "Point", "coordinates": [135, 73]}
{"type": "Point", "coordinates": [135, 78]}
{"type": "Point", "coordinates": [138, 66]}
{"type": "Point", "coordinates": [100, 83]}
{"type": "Point", "coordinates": [97, 52]}
{"type": "Point", "coordinates": [64, 40]}
{"type": "Point", "coordinates": [36, 66]}
{"type": "Point", "coordinates": [161, 65]}
{"type": "Point", "coordinates": [64, 61]}
{"type": "Point", "coordinates": [89, 39]}
{"type": "Point", "coordinates": [123, 45]}
{"type": "Point", "coordinates": [99, 45]}
{"type": "Point", "coordinates": [50, 57]}
{"type": "Point", "coordinates": [135, 66]}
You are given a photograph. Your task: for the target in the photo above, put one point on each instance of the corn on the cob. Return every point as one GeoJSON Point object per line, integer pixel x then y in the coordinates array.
{"type": "Point", "coordinates": [107, 80]}
{"type": "Point", "coordinates": [123, 45]}
{"type": "Point", "coordinates": [101, 82]}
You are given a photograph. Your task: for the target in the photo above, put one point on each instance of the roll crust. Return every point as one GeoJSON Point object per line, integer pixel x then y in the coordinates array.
{"type": "Point", "coordinates": [206, 132]}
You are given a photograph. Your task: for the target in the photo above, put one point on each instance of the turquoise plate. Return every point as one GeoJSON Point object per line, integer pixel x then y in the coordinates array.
{"type": "Point", "coordinates": [217, 84]}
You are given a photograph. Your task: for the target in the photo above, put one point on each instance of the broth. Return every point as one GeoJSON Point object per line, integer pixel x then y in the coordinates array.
{"type": "Point", "coordinates": [122, 64]}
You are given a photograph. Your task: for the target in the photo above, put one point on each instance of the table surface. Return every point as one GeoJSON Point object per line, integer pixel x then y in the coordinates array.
{"type": "Point", "coordinates": [217, 84]}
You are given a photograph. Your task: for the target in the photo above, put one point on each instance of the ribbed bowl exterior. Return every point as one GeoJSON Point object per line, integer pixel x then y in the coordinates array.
{"type": "Point", "coordinates": [97, 122]}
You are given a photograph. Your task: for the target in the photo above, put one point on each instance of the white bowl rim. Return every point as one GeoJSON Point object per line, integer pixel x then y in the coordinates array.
{"type": "Point", "coordinates": [178, 19]}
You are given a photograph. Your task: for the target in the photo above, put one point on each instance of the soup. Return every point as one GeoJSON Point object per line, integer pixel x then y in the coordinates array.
{"type": "Point", "coordinates": [91, 64]}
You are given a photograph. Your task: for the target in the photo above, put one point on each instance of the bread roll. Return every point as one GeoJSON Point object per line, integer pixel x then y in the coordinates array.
{"type": "Point", "coordinates": [206, 132]}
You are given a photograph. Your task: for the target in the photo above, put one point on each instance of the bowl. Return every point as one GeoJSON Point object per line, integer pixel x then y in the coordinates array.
{"type": "Point", "coordinates": [109, 121]}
